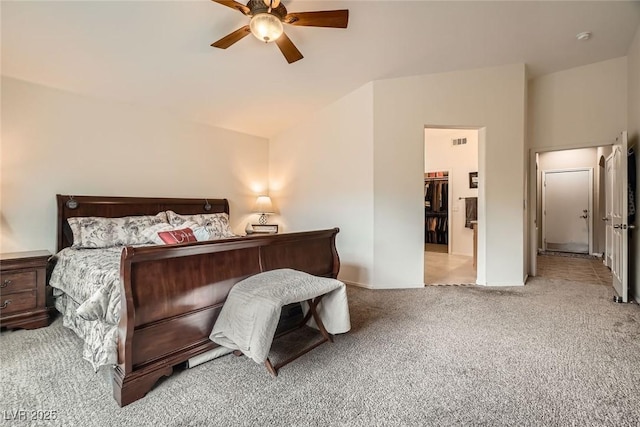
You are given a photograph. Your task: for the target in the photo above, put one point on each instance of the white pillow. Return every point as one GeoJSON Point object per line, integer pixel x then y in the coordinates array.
{"type": "Point", "coordinates": [216, 224]}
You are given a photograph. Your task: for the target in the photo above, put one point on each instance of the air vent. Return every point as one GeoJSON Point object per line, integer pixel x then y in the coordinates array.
{"type": "Point", "coordinates": [459, 141]}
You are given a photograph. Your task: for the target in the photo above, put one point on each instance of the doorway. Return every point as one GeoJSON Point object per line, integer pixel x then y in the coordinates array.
{"type": "Point", "coordinates": [451, 196]}
{"type": "Point", "coordinates": [546, 162]}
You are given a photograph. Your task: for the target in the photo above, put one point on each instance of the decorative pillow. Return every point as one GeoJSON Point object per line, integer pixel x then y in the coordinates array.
{"type": "Point", "coordinates": [173, 237]}
{"type": "Point", "coordinates": [217, 224]}
{"type": "Point", "coordinates": [99, 232]}
{"type": "Point", "coordinates": [151, 234]}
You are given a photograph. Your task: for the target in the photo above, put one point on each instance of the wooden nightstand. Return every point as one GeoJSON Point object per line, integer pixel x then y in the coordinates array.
{"type": "Point", "coordinates": [23, 289]}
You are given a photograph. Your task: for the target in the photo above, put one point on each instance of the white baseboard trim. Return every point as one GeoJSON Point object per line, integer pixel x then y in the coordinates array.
{"type": "Point", "coordinates": [359, 285]}
{"type": "Point", "coordinates": [502, 285]}
{"type": "Point", "coordinates": [365, 286]}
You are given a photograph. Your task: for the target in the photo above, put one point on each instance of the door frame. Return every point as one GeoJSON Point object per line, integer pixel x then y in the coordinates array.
{"type": "Point", "coordinates": [533, 220]}
{"type": "Point", "coordinates": [480, 245]}
{"type": "Point", "coordinates": [590, 203]}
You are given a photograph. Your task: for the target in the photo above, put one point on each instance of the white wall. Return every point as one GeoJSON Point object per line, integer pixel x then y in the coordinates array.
{"type": "Point", "coordinates": [441, 155]}
{"type": "Point", "coordinates": [583, 106]}
{"type": "Point", "coordinates": [565, 159]}
{"type": "Point", "coordinates": [493, 98]}
{"type": "Point", "coordinates": [321, 176]}
{"type": "Point", "coordinates": [58, 142]}
{"type": "Point", "coordinates": [633, 111]}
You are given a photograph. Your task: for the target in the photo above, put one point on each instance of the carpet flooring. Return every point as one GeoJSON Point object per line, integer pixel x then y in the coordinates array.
{"type": "Point", "coordinates": [551, 353]}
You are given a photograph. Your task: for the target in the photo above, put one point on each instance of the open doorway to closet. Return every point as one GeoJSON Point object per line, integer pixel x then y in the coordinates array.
{"type": "Point", "coordinates": [451, 205]}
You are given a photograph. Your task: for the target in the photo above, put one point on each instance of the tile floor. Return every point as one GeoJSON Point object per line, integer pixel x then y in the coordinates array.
{"type": "Point", "coordinates": [446, 269]}
{"type": "Point", "coordinates": [588, 270]}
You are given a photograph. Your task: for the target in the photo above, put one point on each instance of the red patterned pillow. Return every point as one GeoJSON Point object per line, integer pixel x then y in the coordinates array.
{"type": "Point", "coordinates": [177, 236]}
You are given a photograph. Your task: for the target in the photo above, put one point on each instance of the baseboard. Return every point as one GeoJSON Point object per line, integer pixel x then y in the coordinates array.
{"type": "Point", "coordinates": [501, 285]}
{"type": "Point", "coordinates": [362, 285]}
{"type": "Point", "coordinates": [356, 284]}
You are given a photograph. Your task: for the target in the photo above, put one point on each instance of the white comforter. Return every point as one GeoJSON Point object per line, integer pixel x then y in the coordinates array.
{"type": "Point", "coordinates": [250, 315]}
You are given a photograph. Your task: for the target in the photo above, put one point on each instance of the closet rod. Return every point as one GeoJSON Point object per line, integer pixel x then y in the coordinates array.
{"type": "Point", "coordinates": [438, 178]}
{"type": "Point", "coordinates": [470, 197]}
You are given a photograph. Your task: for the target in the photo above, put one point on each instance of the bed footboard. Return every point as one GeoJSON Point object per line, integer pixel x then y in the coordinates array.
{"type": "Point", "coordinates": [172, 295]}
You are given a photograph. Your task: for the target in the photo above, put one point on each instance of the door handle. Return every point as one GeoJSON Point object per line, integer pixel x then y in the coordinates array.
{"type": "Point", "coordinates": [617, 226]}
{"type": "Point", "coordinates": [605, 219]}
{"type": "Point", "coordinates": [584, 216]}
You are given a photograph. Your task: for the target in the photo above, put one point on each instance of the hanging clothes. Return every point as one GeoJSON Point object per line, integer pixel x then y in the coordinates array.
{"type": "Point", "coordinates": [470, 210]}
{"type": "Point", "coordinates": [436, 205]}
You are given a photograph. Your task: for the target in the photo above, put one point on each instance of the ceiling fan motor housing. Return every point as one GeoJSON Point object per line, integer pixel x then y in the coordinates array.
{"type": "Point", "coordinates": [259, 6]}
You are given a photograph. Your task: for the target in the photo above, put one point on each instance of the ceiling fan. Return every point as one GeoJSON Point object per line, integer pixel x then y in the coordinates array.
{"type": "Point", "coordinates": [267, 17]}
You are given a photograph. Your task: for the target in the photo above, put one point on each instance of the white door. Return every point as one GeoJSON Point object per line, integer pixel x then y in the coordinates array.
{"type": "Point", "coordinates": [619, 217]}
{"type": "Point", "coordinates": [608, 185]}
{"type": "Point", "coordinates": [566, 210]}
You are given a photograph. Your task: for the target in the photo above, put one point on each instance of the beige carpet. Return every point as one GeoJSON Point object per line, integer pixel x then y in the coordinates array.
{"type": "Point", "coordinates": [551, 353]}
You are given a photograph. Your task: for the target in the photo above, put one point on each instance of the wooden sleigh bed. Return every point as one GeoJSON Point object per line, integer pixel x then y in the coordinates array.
{"type": "Point", "coordinates": [170, 296]}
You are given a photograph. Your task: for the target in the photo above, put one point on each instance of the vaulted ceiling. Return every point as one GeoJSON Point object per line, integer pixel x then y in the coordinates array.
{"type": "Point", "coordinates": [157, 54]}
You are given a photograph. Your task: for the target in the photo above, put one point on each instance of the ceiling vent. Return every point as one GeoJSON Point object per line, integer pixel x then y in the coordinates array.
{"type": "Point", "coordinates": [459, 141]}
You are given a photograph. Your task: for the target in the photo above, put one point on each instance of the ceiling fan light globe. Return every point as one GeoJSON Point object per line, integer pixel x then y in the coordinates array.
{"type": "Point", "coordinates": [266, 27]}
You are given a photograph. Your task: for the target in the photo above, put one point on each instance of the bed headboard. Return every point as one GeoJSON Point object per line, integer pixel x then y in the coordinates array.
{"type": "Point", "coordinates": [113, 207]}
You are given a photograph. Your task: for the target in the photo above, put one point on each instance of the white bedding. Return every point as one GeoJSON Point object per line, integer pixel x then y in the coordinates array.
{"type": "Point", "coordinates": [250, 315]}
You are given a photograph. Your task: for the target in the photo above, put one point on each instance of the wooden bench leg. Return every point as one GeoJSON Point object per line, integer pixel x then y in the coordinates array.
{"type": "Point", "coordinates": [312, 309]}
{"type": "Point", "coordinates": [313, 303]}
{"type": "Point", "coordinates": [272, 370]}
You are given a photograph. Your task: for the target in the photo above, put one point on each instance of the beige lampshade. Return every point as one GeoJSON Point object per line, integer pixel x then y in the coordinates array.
{"type": "Point", "coordinates": [263, 205]}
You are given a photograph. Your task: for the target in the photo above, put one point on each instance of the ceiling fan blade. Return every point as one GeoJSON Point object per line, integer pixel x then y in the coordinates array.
{"type": "Point", "coordinates": [234, 5]}
{"type": "Point", "coordinates": [325, 18]}
{"type": "Point", "coordinates": [288, 49]}
{"type": "Point", "coordinates": [232, 38]}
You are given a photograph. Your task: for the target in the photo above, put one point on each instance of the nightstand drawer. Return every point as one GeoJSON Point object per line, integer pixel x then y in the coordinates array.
{"type": "Point", "coordinates": [15, 282]}
{"type": "Point", "coordinates": [19, 301]}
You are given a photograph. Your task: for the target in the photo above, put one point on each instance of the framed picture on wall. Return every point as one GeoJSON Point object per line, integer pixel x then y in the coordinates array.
{"type": "Point", "coordinates": [473, 179]}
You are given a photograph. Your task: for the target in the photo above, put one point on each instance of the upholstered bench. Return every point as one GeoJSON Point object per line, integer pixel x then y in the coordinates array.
{"type": "Point", "coordinates": [249, 318]}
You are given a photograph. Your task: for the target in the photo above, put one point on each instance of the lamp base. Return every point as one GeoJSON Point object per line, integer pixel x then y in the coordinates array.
{"type": "Point", "coordinates": [263, 219]}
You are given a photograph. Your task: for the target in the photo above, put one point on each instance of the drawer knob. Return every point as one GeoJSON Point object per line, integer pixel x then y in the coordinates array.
{"type": "Point", "coordinates": [6, 303]}
{"type": "Point", "coordinates": [5, 283]}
